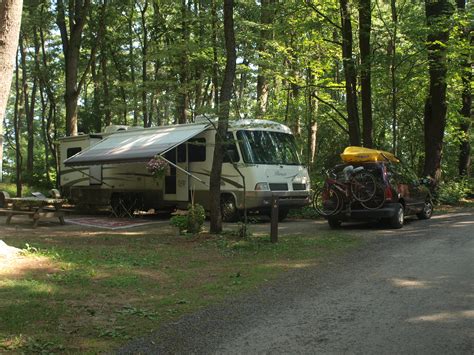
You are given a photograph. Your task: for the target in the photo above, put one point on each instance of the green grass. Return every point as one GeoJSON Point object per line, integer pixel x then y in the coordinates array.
{"type": "Point", "coordinates": [92, 293]}
{"type": "Point", "coordinates": [26, 190]}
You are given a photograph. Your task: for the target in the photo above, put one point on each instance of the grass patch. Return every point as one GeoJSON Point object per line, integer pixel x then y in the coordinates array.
{"type": "Point", "coordinates": [99, 291]}
{"type": "Point", "coordinates": [25, 190]}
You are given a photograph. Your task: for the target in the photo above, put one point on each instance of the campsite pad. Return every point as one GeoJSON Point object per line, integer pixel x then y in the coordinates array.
{"type": "Point", "coordinates": [110, 222]}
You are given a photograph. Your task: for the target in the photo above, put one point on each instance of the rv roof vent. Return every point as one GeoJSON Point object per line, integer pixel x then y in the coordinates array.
{"type": "Point", "coordinates": [115, 128]}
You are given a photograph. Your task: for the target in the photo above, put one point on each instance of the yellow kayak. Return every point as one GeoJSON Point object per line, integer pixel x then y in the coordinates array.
{"type": "Point", "coordinates": [360, 155]}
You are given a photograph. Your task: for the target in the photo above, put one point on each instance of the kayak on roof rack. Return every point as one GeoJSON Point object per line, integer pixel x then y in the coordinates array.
{"type": "Point", "coordinates": [355, 154]}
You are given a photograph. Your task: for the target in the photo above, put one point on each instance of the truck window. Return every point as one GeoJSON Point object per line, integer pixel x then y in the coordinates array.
{"type": "Point", "coordinates": [73, 151]}
{"type": "Point", "coordinates": [196, 150]}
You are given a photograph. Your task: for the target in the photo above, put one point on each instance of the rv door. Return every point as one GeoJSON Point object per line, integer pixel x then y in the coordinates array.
{"type": "Point", "coordinates": [177, 182]}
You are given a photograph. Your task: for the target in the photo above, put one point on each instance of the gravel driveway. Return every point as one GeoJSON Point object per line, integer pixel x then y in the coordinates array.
{"type": "Point", "coordinates": [406, 291]}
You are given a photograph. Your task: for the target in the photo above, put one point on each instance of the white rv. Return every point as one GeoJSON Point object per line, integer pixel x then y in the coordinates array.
{"type": "Point", "coordinates": [110, 168]}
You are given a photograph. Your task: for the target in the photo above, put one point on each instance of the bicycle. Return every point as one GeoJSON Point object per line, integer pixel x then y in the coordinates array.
{"type": "Point", "coordinates": [377, 200]}
{"type": "Point", "coordinates": [356, 185]}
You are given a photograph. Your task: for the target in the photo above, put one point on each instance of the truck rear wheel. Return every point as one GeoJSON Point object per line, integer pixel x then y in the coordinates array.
{"type": "Point", "coordinates": [396, 221]}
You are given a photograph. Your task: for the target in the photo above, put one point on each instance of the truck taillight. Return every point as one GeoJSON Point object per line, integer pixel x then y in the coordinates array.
{"type": "Point", "coordinates": [388, 193]}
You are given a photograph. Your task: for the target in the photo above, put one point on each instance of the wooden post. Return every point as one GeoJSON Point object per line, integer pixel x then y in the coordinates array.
{"type": "Point", "coordinates": [274, 222]}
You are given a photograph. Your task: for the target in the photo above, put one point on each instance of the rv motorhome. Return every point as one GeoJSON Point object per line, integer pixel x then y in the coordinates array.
{"type": "Point", "coordinates": [109, 168]}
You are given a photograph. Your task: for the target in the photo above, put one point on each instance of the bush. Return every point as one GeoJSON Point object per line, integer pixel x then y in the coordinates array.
{"type": "Point", "coordinates": [196, 216]}
{"type": "Point", "coordinates": [191, 220]}
{"type": "Point", "coordinates": [180, 221]}
{"type": "Point", "coordinates": [452, 192]}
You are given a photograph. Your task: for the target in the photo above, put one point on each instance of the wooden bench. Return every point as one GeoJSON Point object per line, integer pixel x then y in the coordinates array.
{"type": "Point", "coordinates": [35, 215]}
{"type": "Point", "coordinates": [35, 208]}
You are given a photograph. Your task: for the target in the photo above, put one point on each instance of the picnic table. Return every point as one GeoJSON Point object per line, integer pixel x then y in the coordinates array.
{"type": "Point", "coordinates": [34, 207]}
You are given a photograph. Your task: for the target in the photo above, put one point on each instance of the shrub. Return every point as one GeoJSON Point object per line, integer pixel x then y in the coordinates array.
{"type": "Point", "coordinates": [452, 192]}
{"type": "Point", "coordinates": [180, 221]}
{"type": "Point", "coordinates": [191, 220]}
{"type": "Point", "coordinates": [196, 217]}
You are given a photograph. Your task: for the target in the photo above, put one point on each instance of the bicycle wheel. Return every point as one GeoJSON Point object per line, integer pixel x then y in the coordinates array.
{"type": "Point", "coordinates": [363, 186]}
{"type": "Point", "coordinates": [326, 201]}
{"type": "Point", "coordinates": [377, 200]}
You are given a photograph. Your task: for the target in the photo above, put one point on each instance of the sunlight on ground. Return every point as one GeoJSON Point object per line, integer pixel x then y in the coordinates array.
{"type": "Point", "coordinates": [451, 215]}
{"type": "Point", "coordinates": [17, 266]}
{"type": "Point", "coordinates": [414, 284]}
{"type": "Point", "coordinates": [444, 317]}
{"type": "Point", "coordinates": [290, 265]}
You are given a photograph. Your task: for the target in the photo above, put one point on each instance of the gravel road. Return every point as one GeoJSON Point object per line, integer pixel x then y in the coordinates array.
{"type": "Point", "coordinates": [407, 291]}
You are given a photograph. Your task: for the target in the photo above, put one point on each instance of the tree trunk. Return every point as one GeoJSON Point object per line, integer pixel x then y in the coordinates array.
{"type": "Point", "coordinates": [144, 65]}
{"type": "Point", "coordinates": [119, 69]}
{"type": "Point", "coordinates": [71, 41]}
{"type": "Point", "coordinates": [52, 118]}
{"type": "Point", "coordinates": [465, 146]}
{"type": "Point", "coordinates": [96, 96]}
{"type": "Point", "coordinates": [17, 128]}
{"type": "Point", "coordinates": [131, 59]}
{"type": "Point", "coordinates": [312, 124]}
{"type": "Point", "coordinates": [437, 16]}
{"type": "Point", "coordinates": [29, 106]}
{"type": "Point", "coordinates": [215, 63]}
{"type": "Point", "coordinates": [104, 55]}
{"type": "Point", "coordinates": [365, 25]}
{"type": "Point", "coordinates": [44, 104]}
{"type": "Point", "coordinates": [349, 74]}
{"type": "Point", "coordinates": [44, 132]}
{"type": "Point", "coordinates": [10, 19]}
{"type": "Point", "coordinates": [266, 34]}
{"type": "Point", "coordinates": [393, 76]}
{"type": "Point", "coordinates": [183, 96]}
{"type": "Point", "coordinates": [223, 123]}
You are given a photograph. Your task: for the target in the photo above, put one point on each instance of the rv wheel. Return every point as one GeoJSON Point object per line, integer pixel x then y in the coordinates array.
{"type": "Point", "coordinates": [229, 210]}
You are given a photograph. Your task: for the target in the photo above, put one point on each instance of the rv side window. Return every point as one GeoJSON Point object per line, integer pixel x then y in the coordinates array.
{"type": "Point", "coordinates": [73, 151]}
{"type": "Point", "coordinates": [196, 150]}
{"type": "Point", "coordinates": [232, 154]}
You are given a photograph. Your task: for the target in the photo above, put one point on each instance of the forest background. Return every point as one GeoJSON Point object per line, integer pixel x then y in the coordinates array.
{"type": "Point", "coordinates": [394, 75]}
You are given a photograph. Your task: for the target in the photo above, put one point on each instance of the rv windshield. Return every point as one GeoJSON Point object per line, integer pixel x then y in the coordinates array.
{"type": "Point", "coordinates": [265, 147]}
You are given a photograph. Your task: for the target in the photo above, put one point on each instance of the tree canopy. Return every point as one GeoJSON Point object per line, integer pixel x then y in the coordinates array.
{"type": "Point", "coordinates": [337, 73]}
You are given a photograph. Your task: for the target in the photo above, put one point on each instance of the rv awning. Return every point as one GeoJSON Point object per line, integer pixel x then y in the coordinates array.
{"type": "Point", "coordinates": [136, 145]}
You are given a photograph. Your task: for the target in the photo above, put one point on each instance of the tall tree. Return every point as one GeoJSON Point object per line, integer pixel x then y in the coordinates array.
{"type": "Point", "coordinates": [10, 20]}
{"type": "Point", "coordinates": [71, 37]}
{"type": "Point", "coordinates": [183, 96]}
{"type": "Point", "coordinates": [266, 34]}
{"type": "Point", "coordinates": [392, 48]}
{"type": "Point", "coordinates": [349, 73]}
{"type": "Point", "coordinates": [215, 60]}
{"type": "Point", "coordinates": [144, 43]}
{"type": "Point", "coordinates": [466, 96]}
{"type": "Point", "coordinates": [17, 131]}
{"type": "Point", "coordinates": [29, 102]}
{"type": "Point", "coordinates": [438, 14]}
{"type": "Point", "coordinates": [365, 24]}
{"type": "Point", "coordinates": [223, 123]}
